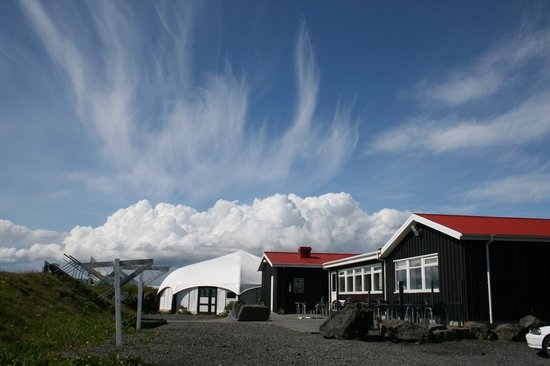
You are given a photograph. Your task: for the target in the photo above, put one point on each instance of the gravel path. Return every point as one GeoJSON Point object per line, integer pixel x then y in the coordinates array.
{"type": "Point", "coordinates": [225, 342]}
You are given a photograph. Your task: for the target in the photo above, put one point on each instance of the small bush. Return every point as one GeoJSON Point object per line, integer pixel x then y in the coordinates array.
{"type": "Point", "coordinates": [227, 309]}
{"type": "Point", "coordinates": [254, 313]}
{"type": "Point", "coordinates": [183, 310]}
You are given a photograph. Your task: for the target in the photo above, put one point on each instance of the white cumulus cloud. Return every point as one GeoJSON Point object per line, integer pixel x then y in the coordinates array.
{"type": "Point", "coordinates": [19, 244]}
{"type": "Point", "coordinates": [176, 234]}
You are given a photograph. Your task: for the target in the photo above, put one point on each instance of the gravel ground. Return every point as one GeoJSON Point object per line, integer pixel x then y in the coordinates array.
{"type": "Point", "coordinates": [226, 342]}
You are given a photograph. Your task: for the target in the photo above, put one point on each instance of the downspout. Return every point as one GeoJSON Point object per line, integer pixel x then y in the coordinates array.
{"type": "Point", "coordinates": [489, 279]}
{"type": "Point", "coordinates": [385, 285]}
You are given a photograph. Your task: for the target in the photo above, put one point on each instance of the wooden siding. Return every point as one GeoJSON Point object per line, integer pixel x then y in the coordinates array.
{"type": "Point", "coordinates": [266, 285]}
{"type": "Point", "coordinates": [476, 295]}
{"type": "Point", "coordinates": [452, 270]}
{"type": "Point", "coordinates": [284, 296]}
{"type": "Point", "coordinates": [520, 275]}
{"type": "Point", "coordinates": [315, 287]}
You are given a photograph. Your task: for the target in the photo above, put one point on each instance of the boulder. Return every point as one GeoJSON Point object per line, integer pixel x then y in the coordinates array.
{"type": "Point", "coordinates": [529, 322]}
{"type": "Point", "coordinates": [403, 330]}
{"type": "Point", "coordinates": [480, 331]}
{"type": "Point", "coordinates": [354, 320]}
{"type": "Point", "coordinates": [510, 332]}
{"type": "Point", "coordinates": [254, 313]}
{"type": "Point", "coordinates": [452, 334]}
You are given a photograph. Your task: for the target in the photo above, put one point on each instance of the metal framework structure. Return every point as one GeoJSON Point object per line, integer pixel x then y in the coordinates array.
{"type": "Point", "coordinates": [123, 272]}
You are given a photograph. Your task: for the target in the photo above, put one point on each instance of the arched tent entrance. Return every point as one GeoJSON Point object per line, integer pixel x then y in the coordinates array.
{"type": "Point", "coordinates": [206, 287]}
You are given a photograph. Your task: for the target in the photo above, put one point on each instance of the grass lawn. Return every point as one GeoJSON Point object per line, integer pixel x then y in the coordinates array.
{"type": "Point", "coordinates": [44, 316]}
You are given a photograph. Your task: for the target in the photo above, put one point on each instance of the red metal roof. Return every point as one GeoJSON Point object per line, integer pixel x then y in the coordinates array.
{"type": "Point", "coordinates": [495, 226]}
{"type": "Point", "coordinates": [293, 259]}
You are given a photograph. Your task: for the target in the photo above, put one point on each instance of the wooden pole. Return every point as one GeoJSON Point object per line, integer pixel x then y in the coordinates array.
{"type": "Point", "coordinates": [140, 301]}
{"type": "Point", "coordinates": [117, 304]}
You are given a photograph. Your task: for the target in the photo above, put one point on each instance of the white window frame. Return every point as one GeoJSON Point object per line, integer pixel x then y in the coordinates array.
{"type": "Point", "coordinates": [349, 276]}
{"type": "Point", "coordinates": [407, 286]}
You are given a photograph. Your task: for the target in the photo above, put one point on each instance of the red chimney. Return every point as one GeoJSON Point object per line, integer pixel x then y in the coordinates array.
{"type": "Point", "coordinates": [305, 252]}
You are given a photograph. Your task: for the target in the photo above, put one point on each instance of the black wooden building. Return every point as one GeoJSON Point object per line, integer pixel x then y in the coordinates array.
{"type": "Point", "coordinates": [475, 267]}
{"type": "Point", "coordinates": [289, 278]}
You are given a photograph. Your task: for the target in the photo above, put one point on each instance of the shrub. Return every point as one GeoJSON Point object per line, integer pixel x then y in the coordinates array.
{"type": "Point", "coordinates": [227, 309]}
{"type": "Point", "coordinates": [183, 310]}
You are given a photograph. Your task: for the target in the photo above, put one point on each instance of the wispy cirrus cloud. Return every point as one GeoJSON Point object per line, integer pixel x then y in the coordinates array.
{"type": "Point", "coordinates": [497, 68]}
{"type": "Point", "coordinates": [161, 129]}
{"type": "Point", "coordinates": [500, 73]}
{"type": "Point", "coordinates": [531, 187]}
{"type": "Point", "coordinates": [496, 108]}
{"type": "Point", "coordinates": [526, 123]}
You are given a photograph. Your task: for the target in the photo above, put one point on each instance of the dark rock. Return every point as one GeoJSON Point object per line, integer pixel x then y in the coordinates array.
{"type": "Point", "coordinates": [452, 334]}
{"type": "Point", "coordinates": [237, 305]}
{"type": "Point", "coordinates": [152, 323]}
{"type": "Point", "coordinates": [403, 330]}
{"type": "Point", "coordinates": [253, 313]}
{"type": "Point", "coordinates": [354, 320]}
{"type": "Point", "coordinates": [510, 332]}
{"type": "Point", "coordinates": [480, 331]}
{"type": "Point", "coordinates": [434, 327]}
{"type": "Point", "coordinates": [529, 322]}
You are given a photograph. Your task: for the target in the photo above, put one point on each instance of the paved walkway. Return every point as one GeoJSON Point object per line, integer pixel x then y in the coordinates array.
{"type": "Point", "coordinates": [291, 321]}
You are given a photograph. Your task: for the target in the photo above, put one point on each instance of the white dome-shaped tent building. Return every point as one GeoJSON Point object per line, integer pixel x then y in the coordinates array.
{"type": "Point", "coordinates": [206, 287]}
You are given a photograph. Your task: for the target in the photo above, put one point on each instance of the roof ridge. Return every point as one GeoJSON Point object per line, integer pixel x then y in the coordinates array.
{"type": "Point", "coordinates": [481, 216]}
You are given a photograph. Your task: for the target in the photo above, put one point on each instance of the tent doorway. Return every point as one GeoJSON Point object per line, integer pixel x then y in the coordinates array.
{"type": "Point", "coordinates": [207, 300]}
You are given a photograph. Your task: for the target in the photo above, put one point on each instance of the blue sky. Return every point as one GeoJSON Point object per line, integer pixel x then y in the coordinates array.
{"type": "Point", "coordinates": [409, 106]}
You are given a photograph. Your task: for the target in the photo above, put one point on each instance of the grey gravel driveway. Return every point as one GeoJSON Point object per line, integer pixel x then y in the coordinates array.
{"type": "Point", "coordinates": [226, 342]}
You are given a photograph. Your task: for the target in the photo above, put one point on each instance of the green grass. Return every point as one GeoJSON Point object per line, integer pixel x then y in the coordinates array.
{"type": "Point", "coordinates": [44, 316]}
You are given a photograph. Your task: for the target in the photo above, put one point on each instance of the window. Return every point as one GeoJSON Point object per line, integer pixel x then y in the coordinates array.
{"type": "Point", "coordinates": [361, 280]}
{"type": "Point", "coordinates": [417, 274]}
{"type": "Point", "coordinates": [342, 282]}
{"type": "Point", "coordinates": [358, 283]}
{"type": "Point", "coordinates": [377, 281]}
{"type": "Point", "coordinates": [349, 281]}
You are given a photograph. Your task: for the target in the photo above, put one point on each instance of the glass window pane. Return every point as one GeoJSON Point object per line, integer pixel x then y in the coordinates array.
{"type": "Point", "coordinates": [377, 279]}
{"type": "Point", "coordinates": [432, 274]}
{"type": "Point", "coordinates": [401, 265]}
{"type": "Point", "coordinates": [432, 260]}
{"type": "Point", "coordinates": [358, 283]}
{"type": "Point", "coordinates": [400, 275]}
{"type": "Point", "coordinates": [349, 283]}
{"type": "Point", "coordinates": [367, 282]}
{"type": "Point", "coordinates": [416, 278]}
{"type": "Point", "coordinates": [415, 262]}
{"type": "Point", "coordinates": [342, 284]}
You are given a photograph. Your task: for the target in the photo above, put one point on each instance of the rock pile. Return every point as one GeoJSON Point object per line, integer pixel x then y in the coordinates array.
{"type": "Point", "coordinates": [401, 330]}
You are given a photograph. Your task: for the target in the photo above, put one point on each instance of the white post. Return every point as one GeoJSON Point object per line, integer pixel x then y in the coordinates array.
{"type": "Point", "coordinates": [271, 297]}
{"type": "Point", "coordinates": [117, 304]}
{"type": "Point", "coordinates": [489, 281]}
{"type": "Point", "coordinates": [140, 301]}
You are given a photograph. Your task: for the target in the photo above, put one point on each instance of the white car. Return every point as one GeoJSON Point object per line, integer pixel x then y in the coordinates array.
{"type": "Point", "coordinates": [539, 338]}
